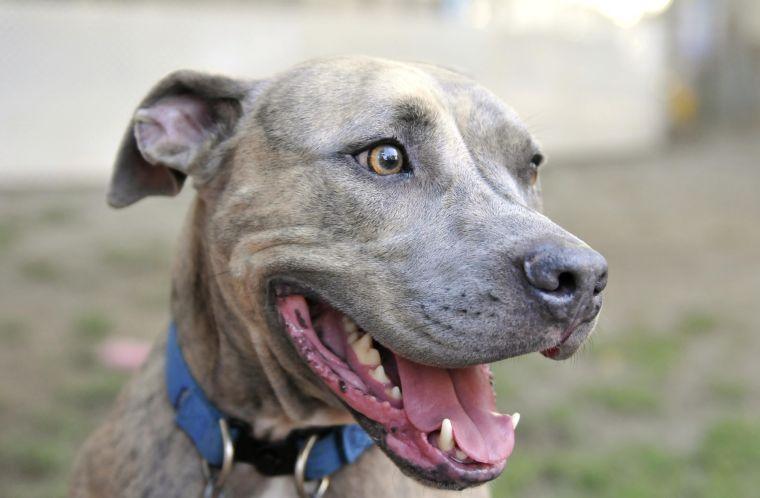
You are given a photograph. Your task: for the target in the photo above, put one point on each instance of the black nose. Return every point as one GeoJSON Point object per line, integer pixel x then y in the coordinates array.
{"type": "Point", "coordinates": [568, 279]}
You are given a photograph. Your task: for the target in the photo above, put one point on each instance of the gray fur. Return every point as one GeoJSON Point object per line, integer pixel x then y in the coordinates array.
{"type": "Point", "coordinates": [429, 262]}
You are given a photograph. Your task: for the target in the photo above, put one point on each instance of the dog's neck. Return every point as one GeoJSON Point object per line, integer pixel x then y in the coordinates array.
{"type": "Point", "coordinates": [228, 355]}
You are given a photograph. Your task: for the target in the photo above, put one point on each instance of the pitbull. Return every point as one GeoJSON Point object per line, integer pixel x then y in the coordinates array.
{"type": "Point", "coordinates": [366, 237]}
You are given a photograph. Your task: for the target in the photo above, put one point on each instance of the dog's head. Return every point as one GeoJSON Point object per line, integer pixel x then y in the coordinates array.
{"type": "Point", "coordinates": [379, 224]}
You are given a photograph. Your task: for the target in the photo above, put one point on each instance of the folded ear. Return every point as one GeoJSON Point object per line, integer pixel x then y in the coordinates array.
{"type": "Point", "coordinates": [172, 134]}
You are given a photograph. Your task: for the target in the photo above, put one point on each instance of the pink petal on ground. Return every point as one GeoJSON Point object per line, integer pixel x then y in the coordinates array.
{"type": "Point", "coordinates": [123, 354]}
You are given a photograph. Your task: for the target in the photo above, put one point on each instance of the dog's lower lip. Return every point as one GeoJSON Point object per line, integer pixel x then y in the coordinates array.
{"type": "Point", "coordinates": [333, 364]}
{"type": "Point", "coordinates": [554, 351]}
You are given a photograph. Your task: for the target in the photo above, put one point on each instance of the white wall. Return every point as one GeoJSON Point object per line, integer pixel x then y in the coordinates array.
{"type": "Point", "coordinates": [71, 73]}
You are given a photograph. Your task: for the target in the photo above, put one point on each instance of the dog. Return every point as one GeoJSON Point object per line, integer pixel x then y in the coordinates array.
{"type": "Point", "coordinates": [366, 237]}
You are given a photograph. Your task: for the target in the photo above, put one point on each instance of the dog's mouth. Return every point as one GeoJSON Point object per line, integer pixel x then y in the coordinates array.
{"type": "Point", "coordinates": [440, 425]}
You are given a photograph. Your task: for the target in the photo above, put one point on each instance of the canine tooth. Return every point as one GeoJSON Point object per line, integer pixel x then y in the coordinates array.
{"type": "Point", "coordinates": [352, 337]}
{"type": "Point", "coordinates": [366, 354]}
{"type": "Point", "coordinates": [461, 455]}
{"type": "Point", "coordinates": [394, 392]}
{"type": "Point", "coordinates": [348, 325]}
{"type": "Point", "coordinates": [446, 438]}
{"type": "Point", "coordinates": [515, 420]}
{"type": "Point", "coordinates": [363, 343]}
{"type": "Point", "coordinates": [370, 357]}
{"type": "Point", "coordinates": [379, 375]}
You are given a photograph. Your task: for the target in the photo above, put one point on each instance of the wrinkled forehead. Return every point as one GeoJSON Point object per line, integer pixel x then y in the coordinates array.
{"type": "Point", "coordinates": [359, 100]}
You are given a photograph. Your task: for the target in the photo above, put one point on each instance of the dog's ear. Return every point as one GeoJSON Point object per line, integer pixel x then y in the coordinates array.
{"type": "Point", "coordinates": [172, 134]}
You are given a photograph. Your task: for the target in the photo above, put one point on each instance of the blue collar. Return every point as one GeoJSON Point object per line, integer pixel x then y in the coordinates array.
{"type": "Point", "coordinates": [197, 416]}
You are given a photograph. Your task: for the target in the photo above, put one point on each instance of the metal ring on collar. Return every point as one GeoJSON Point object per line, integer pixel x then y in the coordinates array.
{"type": "Point", "coordinates": [214, 484]}
{"type": "Point", "coordinates": [303, 457]}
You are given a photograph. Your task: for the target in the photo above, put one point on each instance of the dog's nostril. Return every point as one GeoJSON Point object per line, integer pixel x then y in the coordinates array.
{"type": "Point", "coordinates": [566, 284]}
{"type": "Point", "coordinates": [567, 278]}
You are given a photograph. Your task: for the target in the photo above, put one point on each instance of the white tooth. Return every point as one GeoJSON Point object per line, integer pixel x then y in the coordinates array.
{"type": "Point", "coordinates": [446, 438]}
{"type": "Point", "coordinates": [461, 455]}
{"type": "Point", "coordinates": [394, 393]}
{"type": "Point", "coordinates": [348, 325]}
{"type": "Point", "coordinates": [363, 343]}
{"type": "Point", "coordinates": [352, 337]}
{"type": "Point", "coordinates": [370, 357]}
{"type": "Point", "coordinates": [366, 354]}
{"type": "Point", "coordinates": [379, 375]}
{"type": "Point", "coordinates": [515, 420]}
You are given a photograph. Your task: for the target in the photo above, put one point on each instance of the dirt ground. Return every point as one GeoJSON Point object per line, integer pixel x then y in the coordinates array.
{"type": "Point", "coordinates": [662, 402]}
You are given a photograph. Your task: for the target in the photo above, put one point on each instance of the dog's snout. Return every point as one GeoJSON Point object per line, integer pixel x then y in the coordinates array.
{"type": "Point", "coordinates": [568, 279]}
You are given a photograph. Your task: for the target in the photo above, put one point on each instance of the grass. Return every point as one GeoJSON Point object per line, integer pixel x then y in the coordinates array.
{"type": "Point", "coordinates": [724, 464]}
{"type": "Point", "coordinates": [726, 390]}
{"type": "Point", "coordinates": [626, 400]}
{"type": "Point", "coordinates": [92, 325]}
{"type": "Point", "coordinates": [92, 393]}
{"type": "Point", "coordinates": [41, 270]}
{"type": "Point", "coordinates": [13, 331]}
{"type": "Point", "coordinates": [630, 471]}
{"type": "Point", "coordinates": [696, 323]}
{"type": "Point", "coordinates": [58, 215]}
{"type": "Point", "coordinates": [648, 352]}
{"type": "Point", "coordinates": [32, 461]}
{"type": "Point", "coordinates": [151, 256]}
{"type": "Point", "coordinates": [8, 235]}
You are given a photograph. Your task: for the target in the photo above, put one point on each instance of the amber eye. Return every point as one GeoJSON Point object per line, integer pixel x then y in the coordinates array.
{"type": "Point", "coordinates": [535, 162]}
{"type": "Point", "coordinates": [385, 159]}
{"type": "Point", "coordinates": [533, 175]}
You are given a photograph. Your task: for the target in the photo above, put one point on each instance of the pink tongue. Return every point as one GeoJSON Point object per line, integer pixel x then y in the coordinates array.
{"type": "Point", "coordinates": [465, 397]}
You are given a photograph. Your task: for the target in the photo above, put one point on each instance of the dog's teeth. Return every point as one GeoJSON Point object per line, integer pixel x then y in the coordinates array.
{"type": "Point", "coordinates": [394, 393]}
{"type": "Point", "coordinates": [349, 326]}
{"type": "Point", "coordinates": [515, 420]}
{"type": "Point", "coordinates": [363, 343]}
{"type": "Point", "coordinates": [461, 455]}
{"type": "Point", "coordinates": [446, 438]}
{"type": "Point", "coordinates": [379, 375]}
{"type": "Point", "coordinates": [371, 358]}
{"type": "Point", "coordinates": [366, 354]}
{"type": "Point", "coordinates": [352, 337]}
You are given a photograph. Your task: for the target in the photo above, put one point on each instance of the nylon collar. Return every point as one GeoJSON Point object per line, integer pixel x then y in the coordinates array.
{"type": "Point", "coordinates": [199, 418]}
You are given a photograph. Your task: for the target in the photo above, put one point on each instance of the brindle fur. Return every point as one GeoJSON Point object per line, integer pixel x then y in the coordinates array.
{"type": "Point", "coordinates": [426, 263]}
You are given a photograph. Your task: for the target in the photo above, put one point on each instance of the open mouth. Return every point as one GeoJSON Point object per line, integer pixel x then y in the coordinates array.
{"type": "Point", "coordinates": [439, 425]}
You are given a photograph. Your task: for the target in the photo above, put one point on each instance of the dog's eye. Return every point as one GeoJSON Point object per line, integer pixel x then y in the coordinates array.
{"type": "Point", "coordinates": [535, 162]}
{"type": "Point", "coordinates": [383, 159]}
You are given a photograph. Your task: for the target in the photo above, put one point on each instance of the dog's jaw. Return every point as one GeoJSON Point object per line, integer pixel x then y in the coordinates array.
{"type": "Point", "coordinates": [445, 432]}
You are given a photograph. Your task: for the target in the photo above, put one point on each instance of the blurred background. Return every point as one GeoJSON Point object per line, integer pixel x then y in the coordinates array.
{"type": "Point", "coordinates": [649, 111]}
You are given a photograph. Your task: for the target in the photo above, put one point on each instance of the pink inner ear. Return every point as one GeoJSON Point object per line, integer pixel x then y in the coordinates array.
{"type": "Point", "coordinates": [170, 131]}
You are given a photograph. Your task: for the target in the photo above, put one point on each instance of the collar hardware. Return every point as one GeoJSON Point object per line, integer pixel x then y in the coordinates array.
{"type": "Point", "coordinates": [215, 483]}
{"type": "Point", "coordinates": [223, 441]}
{"type": "Point", "coordinates": [300, 470]}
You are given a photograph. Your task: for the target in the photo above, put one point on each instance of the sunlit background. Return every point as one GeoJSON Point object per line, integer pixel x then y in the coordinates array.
{"type": "Point", "coordinates": [649, 111]}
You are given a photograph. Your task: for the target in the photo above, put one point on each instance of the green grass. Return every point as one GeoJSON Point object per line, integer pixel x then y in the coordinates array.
{"type": "Point", "coordinates": [13, 331]}
{"type": "Point", "coordinates": [631, 471]}
{"type": "Point", "coordinates": [58, 215]}
{"type": "Point", "coordinates": [697, 323]}
{"type": "Point", "coordinates": [8, 235]}
{"type": "Point", "coordinates": [41, 270]}
{"type": "Point", "coordinates": [92, 325]}
{"type": "Point", "coordinates": [727, 462]}
{"type": "Point", "coordinates": [726, 390]}
{"type": "Point", "coordinates": [649, 352]}
{"type": "Point", "coordinates": [723, 465]}
{"type": "Point", "coordinates": [625, 400]}
{"type": "Point", "coordinates": [93, 393]}
{"type": "Point", "coordinates": [32, 461]}
{"type": "Point", "coordinates": [150, 256]}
